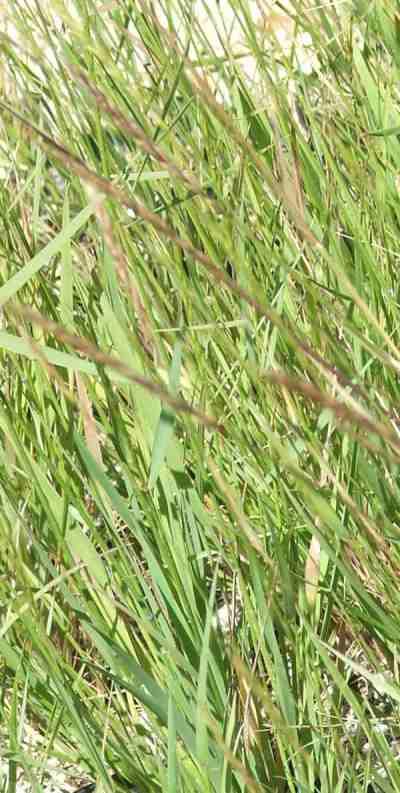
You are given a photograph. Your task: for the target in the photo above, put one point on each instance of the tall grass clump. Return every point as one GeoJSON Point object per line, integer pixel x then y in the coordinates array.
{"type": "Point", "coordinates": [199, 403]}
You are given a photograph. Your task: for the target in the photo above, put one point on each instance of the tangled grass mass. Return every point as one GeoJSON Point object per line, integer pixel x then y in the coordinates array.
{"type": "Point", "coordinates": [199, 402]}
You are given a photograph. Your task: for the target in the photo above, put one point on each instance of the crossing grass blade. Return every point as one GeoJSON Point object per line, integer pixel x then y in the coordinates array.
{"type": "Point", "coordinates": [199, 425]}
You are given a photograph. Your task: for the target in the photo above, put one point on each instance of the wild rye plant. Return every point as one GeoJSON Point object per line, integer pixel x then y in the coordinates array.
{"type": "Point", "coordinates": [199, 404]}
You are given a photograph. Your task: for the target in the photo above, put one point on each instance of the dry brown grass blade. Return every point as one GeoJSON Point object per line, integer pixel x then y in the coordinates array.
{"type": "Point", "coordinates": [241, 519]}
{"type": "Point", "coordinates": [89, 424]}
{"type": "Point", "coordinates": [250, 783]}
{"type": "Point", "coordinates": [277, 190]}
{"type": "Point", "coordinates": [90, 350]}
{"type": "Point", "coordinates": [341, 411]}
{"type": "Point", "coordinates": [105, 187]}
{"type": "Point", "coordinates": [145, 143]}
{"type": "Point", "coordinates": [273, 714]}
{"type": "Point", "coordinates": [289, 171]}
{"type": "Point", "coordinates": [110, 190]}
{"type": "Point", "coordinates": [127, 281]}
{"type": "Point", "coordinates": [200, 85]}
{"type": "Point", "coordinates": [312, 570]}
{"type": "Point", "coordinates": [358, 420]}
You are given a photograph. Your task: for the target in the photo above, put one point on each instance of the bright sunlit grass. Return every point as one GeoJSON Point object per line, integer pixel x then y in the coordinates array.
{"type": "Point", "coordinates": [199, 421]}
